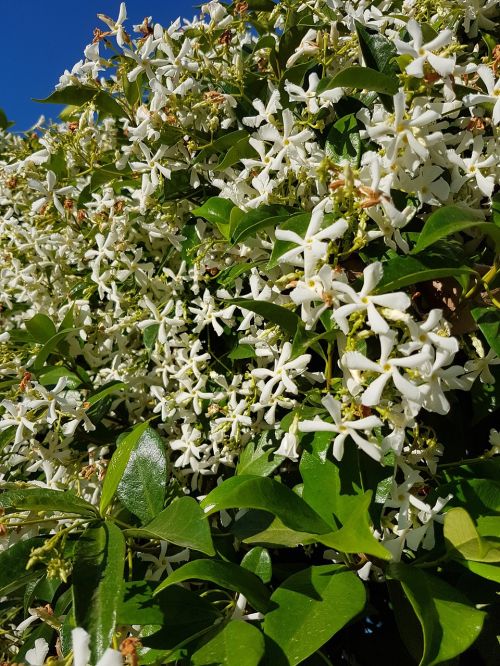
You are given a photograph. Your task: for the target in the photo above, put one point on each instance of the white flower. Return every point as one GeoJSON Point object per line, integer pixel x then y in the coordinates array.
{"type": "Point", "coordinates": [49, 193]}
{"type": "Point", "coordinates": [280, 378]}
{"type": "Point", "coordinates": [312, 248]}
{"type": "Point", "coordinates": [492, 96]}
{"type": "Point", "coordinates": [424, 52]}
{"type": "Point", "coordinates": [344, 428]}
{"type": "Point", "coordinates": [265, 112]}
{"type": "Point", "coordinates": [366, 301]}
{"type": "Point", "coordinates": [386, 368]}
{"type": "Point", "coordinates": [36, 656]}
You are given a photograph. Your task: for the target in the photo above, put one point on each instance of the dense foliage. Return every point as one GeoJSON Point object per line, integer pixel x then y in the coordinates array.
{"type": "Point", "coordinates": [249, 328]}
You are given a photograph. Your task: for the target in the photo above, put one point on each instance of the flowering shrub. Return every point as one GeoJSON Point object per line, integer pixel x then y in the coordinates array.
{"type": "Point", "coordinates": [249, 337]}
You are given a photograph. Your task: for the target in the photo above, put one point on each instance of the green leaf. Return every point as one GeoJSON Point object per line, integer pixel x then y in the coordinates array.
{"type": "Point", "coordinates": [488, 320]}
{"type": "Point", "coordinates": [216, 210]}
{"type": "Point", "coordinates": [310, 607]}
{"type": "Point", "coordinates": [98, 584]}
{"type": "Point", "coordinates": [258, 561]}
{"type": "Point", "coordinates": [238, 643]}
{"type": "Point", "coordinates": [355, 535]}
{"type": "Point", "coordinates": [49, 347]}
{"type": "Point", "coordinates": [255, 492]}
{"type": "Point", "coordinates": [223, 143]}
{"type": "Point", "coordinates": [261, 5]}
{"type": "Point", "coordinates": [106, 174]}
{"type": "Point", "coordinates": [49, 376]}
{"type": "Point", "coordinates": [184, 612]}
{"type": "Point", "coordinates": [463, 539]}
{"type": "Point", "coordinates": [404, 271]}
{"type": "Point", "coordinates": [108, 389]}
{"type": "Point", "coordinates": [450, 220]}
{"type": "Point", "coordinates": [13, 563]}
{"type": "Point", "coordinates": [250, 223]}
{"type": "Point", "coordinates": [241, 352]}
{"type": "Point", "coordinates": [378, 51]}
{"type": "Point", "coordinates": [262, 528]}
{"type": "Point", "coordinates": [150, 335]}
{"type": "Point", "coordinates": [74, 95]}
{"type": "Point", "coordinates": [47, 500]}
{"type": "Point", "coordinates": [41, 328]}
{"type": "Point", "coordinates": [258, 459]}
{"type": "Point", "coordinates": [286, 319]}
{"type": "Point", "coordinates": [240, 150]}
{"type": "Point", "coordinates": [107, 104]}
{"type": "Point", "coordinates": [118, 464]}
{"type": "Point", "coordinates": [449, 623]}
{"type": "Point", "coordinates": [142, 486]}
{"type": "Point", "coordinates": [343, 142]}
{"type": "Point", "coordinates": [7, 436]}
{"type": "Point", "coordinates": [361, 78]}
{"type": "Point", "coordinates": [4, 123]}
{"type": "Point", "coordinates": [183, 523]}
{"type": "Point", "coordinates": [224, 574]}
{"type": "Point", "coordinates": [488, 571]}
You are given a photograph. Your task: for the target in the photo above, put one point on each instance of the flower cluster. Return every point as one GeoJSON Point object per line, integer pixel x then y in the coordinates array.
{"type": "Point", "coordinates": [241, 238]}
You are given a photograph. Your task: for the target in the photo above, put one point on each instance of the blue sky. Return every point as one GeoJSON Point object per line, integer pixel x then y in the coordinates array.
{"type": "Point", "coordinates": [42, 39]}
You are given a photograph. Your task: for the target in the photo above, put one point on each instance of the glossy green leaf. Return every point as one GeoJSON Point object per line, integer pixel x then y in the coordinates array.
{"type": "Point", "coordinates": [241, 352]}
{"type": "Point", "coordinates": [463, 539]}
{"type": "Point", "coordinates": [449, 623]}
{"type": "Point", "coordinates": [483, 569]}
{"type": "Point", "coordinates": [106, 174]}
{"type": "Point", "coordinates": [184, 612]}
{"type": "Point", "coordinates": [41, 328]}
{"type": "Point", "coordinates": [356, 534]}
{"type": "Point", "coordinates": [142, 486]}
{"type": "Point", "coordinates": [183, 523]}
{"type": "Point", "coordinates": [286, 319]}
{"type": "Point", "coordinates": [258, 459]}
{"type": "Point", "coordinates": [222, 144]}
{"type": "Point", "coordinates": [378, 51]}
{"type": "Point", "coordinates": [361, 78]}
{"type": "Point", "coordinates": [404, 271]}
{"type": "Point", "coordinates": [238, 643]}
{"type": "Point", "coordinates": [255, 220]}
{"type": "Point", "coordinates": [49, 347]}
{"type": "Point", "coordinates": [343, 142]}
{"type": "Point", "coordinates": [47, 500]}
{"type": "Point", "coordinates": [258, 561]}
{"type": "Point", "coordinates": [239, 151]}
{"type": "Point", "coordinates": [217, 211]}
{"type": "Point", "coordinates": [98, 584]}
{"type": "Point", "coordinates": [310, 607]}
{"type": "Point", "coordinates": [150, 335]}
{"type": "Point", "coordinates": [263, 529]}
{"type": "Point", "coordinates": [74, 95]}
{"type": "Point", "coordinates": [261, 5]}
{"type": "Point", "coordinates": [108, 105]}
{"type": "Point", "coordinates": [108, 389]}
{"type": "Point", "coordinates": [488, 320]}
{"type": "Point", "coordinates": [450, 220]}
{"type": "Point", "coordinates": [13, 563]}
{"type": "Point", "coordinates": [255, 492]}
{"type": "Point", "coordinates": [224, 574]}
{"type": "Point", "coordinates": [49, 376]}
{"type": "Point", "coordinates": [118, 464]}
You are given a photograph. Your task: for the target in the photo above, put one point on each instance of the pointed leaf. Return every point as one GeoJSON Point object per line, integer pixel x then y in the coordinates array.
{"type": "Point", "coordinates": [224, 574]}
{"type": "Point", "coordinates": [362, 78]}
{"type": "Point", "coordinates": [255, 492]}
{"type": "Point", "coordinates": [118, 464]}
{"type": "Point", "coordinates": [449, 623]}
{"type": "Point", "coordinates": [488, 320]}
{"type": "Point", "coordinates": [258, 561]}
{"type": "Point", "coordinates": [98, 584]}
{"type": "Point", "coordinates": [450, 220]}
{"type": "Point", "coordinates": [289, 321]}
{"type": "Point", "coordinates": [238, 643]}
{"type": "Point", "coordinates": [142, 486]}
{"type": "Point", "coordinates": [183, 523]}
{"type": "Point", "coordinates": [47, 500]}
{"type": "Point", "coordinates": [311, 607]}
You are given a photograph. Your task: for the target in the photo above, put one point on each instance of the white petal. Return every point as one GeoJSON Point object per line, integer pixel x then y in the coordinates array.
{"type": "Point", "coordinates": [373, 393]}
